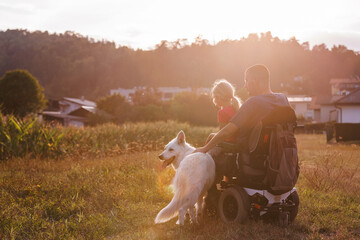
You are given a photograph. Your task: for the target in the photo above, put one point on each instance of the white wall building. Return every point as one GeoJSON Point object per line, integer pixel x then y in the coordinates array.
{"type": "Point", "coordinates": [125, 92]}
{"type": "Point", "coordinates": [301, 105]}
{"type": "Point", "coordinates": [167, 93]}
{"type": "Point", "coordinates": [348, 108]}
{"type": "Point", "coordinates": [323, 107]}
{"type": "Point", "coordinates": [72, 112]}
{"type": "Point", "coordinates": [340, 109]}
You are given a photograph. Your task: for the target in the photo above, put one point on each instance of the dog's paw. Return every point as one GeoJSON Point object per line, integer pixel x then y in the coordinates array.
{"type": "Point", "coordinates": [179, 223]}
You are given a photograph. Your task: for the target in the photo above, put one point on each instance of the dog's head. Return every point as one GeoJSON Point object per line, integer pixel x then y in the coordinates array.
{"type": "Point", "coordinates": [173, 150]}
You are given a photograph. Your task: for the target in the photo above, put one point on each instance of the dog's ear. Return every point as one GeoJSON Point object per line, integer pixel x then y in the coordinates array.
{"type": "Point", "coordinates": [181, 137]}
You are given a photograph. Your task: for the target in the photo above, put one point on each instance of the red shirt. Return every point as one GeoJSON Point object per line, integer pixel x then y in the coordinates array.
{"type": "Point", "coordinates": [224, 116]}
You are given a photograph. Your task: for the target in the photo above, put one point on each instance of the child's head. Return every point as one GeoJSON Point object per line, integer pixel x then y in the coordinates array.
{"type": "Point", "coordinates": [223, 93]}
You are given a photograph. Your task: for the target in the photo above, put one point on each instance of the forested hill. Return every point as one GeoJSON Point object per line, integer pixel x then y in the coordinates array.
{"type": "Point", "coordinates": [73, 65]}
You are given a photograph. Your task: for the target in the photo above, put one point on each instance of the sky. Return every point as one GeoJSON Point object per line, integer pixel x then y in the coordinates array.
{"type": "Point", "coordinates": [145, 23]}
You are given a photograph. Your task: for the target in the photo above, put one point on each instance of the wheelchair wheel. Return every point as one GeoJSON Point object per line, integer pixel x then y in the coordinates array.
{"type": "Point", "coordinates": [234, 205]}
{"type": "Point", "coordinates": [294, 198]}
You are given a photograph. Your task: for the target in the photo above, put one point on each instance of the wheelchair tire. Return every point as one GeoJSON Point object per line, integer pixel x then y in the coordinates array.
{"type": "Point", "coordinates": [234, 205]}
{"type": "Point", "coordinates": [294, 197]}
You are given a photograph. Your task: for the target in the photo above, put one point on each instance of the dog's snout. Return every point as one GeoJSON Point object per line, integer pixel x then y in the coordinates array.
{"type": "Point", "coordinates": [161, 157]}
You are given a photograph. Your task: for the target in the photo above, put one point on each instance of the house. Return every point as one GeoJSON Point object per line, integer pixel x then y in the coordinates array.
{"type": "Point", "coordinates": [125, 92]}
{"type": "Point", "coordinates": [341, 106]}
{"type": "Point", "coordinates": [167, 93]}
{"type": "Point", "coordinates": [301, 105]}
{"type": "Point", "coordinates": [68, 105]}
{"type": "Point", "coordinates": [340, 109]}
{"type": "Point", "coordinates": [348, 108]}
{"type": "Point", "coordinates": [322, 107]}
{"type": "Point", "coordinates": [72, 111]}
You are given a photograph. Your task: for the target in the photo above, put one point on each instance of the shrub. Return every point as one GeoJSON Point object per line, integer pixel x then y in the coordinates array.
{"type": "Point", "coordinates": [149, 113]}
{"type": "Point", "coordinates": [20, 93]}
{"type": "Point", "coordinates": [197, 110]}
{"type": "Point", "coordinates": [115, 105]}
{"type": "Point", "coordinates": [330, 173]}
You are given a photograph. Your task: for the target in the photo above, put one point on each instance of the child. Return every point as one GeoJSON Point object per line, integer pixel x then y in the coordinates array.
{"type": "Point", "coordinates": [223, 94]}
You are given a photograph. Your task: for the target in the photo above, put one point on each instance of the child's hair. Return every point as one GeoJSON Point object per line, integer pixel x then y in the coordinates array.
{"type": "Point", "coordinates": [224, 90]}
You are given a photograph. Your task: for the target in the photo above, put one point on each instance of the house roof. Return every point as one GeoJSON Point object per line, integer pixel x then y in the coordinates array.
{"type": "Point", "coordinates": [83, 111]}
{"type": "Point", "coordinates": [351, 98]}
{"type": "Point", "coordinates": [81, 102]}
{"type": "Point", "coordinates": [317, 101]}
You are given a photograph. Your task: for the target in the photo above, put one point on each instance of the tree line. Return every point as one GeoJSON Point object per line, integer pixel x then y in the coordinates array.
{"type": "Point", "coordinates": [147, 106]}
{"type": "Point", "coordinates": [22, 95]}
{"type": "Point", "coordinates": [72, 65]}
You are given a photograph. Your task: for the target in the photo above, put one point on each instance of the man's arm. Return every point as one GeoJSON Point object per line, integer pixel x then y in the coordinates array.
{"type": "Point", "coordinates": [226, 132]}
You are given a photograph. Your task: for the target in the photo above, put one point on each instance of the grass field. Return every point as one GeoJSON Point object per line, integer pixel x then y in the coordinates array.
{"type": "Point", "coordinates": [118, 197]}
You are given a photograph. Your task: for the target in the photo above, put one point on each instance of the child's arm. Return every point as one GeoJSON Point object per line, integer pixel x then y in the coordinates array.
{"type": "Point", "coordinates": [211, 135]}
{"type": "Point", "coordinates": [228, 131]}
{"type": "Point", "coordinates": [222, 124]}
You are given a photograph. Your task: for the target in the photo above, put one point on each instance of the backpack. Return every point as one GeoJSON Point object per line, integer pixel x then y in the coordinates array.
{"type": "Point", "coordinates": [282, 165]}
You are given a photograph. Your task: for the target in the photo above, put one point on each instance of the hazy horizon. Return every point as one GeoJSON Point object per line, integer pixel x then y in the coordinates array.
{"type": "Point", "coordinates": [143, 24]}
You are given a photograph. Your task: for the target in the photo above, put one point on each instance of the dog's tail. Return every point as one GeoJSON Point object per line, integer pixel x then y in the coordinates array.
{"type": "Point", "coordinates": [171, 210]}
{"type": "Point", "coordinates": [184, 196]}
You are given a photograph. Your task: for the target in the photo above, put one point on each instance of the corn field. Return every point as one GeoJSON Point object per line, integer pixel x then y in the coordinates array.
{"type": "Point", "coordinates": [31, 139]}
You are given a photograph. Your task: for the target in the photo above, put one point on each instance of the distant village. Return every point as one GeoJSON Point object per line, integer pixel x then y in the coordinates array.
{"type": "Point", "coordinates": [341, 106]}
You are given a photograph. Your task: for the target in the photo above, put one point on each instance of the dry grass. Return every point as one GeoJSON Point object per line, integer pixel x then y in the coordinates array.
{"type": "Point", "coordinates": [329, 167]}
{"type": "Point", "coordinates": [118, 197]}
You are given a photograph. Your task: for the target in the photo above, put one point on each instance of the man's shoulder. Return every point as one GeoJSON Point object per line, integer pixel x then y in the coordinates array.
{"type": "Point", "coordinates": [276, 98]}
{"type": "Point", "coordinates": [267, 97]}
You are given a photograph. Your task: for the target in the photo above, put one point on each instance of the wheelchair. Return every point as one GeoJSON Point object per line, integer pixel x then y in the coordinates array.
{"type": "Point", "coordinates": [243, 192]}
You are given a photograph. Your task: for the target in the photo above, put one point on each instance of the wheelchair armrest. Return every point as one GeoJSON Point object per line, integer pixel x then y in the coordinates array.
{"type": "Point", "coordinates": [229, 147]}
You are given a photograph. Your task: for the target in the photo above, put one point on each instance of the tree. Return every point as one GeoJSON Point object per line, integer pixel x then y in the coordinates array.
{"type": "Point", "coordinates": [72, 65]}
{"type": "Point", "coordinates": [21, 93]}
{"type": "Point", "coordinates": [195, 109]}
{"type": "Point", "coordinates": [115, 105]}
{"type": "Point", "coordinates": [146, 96]}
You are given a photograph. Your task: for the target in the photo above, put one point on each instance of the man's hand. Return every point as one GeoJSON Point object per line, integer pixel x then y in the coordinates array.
{"type": "Point", "coordinates": [200, 149]}
{"type": "Point", "coordinates": [228, 131]}
{"type": "Point", "coordinates": [211, 135]}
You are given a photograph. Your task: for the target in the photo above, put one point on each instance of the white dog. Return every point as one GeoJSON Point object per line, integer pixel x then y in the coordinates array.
{"type": "Point", "coordinates": [195, 174]}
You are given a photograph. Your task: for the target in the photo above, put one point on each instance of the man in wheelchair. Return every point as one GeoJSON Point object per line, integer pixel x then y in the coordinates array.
{"type": "Point", "coordinates": [259, 171]}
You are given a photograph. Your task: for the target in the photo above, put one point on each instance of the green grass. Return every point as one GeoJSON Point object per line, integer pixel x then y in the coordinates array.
{"type": "Point", "coordinates": [118, 197]}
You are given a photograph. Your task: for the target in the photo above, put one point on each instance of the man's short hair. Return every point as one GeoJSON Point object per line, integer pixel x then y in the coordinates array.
{"type": "Point", "coordinates": [260, 73]}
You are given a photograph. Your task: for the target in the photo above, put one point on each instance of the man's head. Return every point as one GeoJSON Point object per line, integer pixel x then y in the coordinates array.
{"type": "Point", "coordinates": [257, 80]}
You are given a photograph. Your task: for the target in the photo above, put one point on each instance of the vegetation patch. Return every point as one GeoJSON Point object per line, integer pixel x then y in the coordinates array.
{"type": "Point", "coordinates": [118, 197]}
{"type": "Point", "coordinates": [29, 138]}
